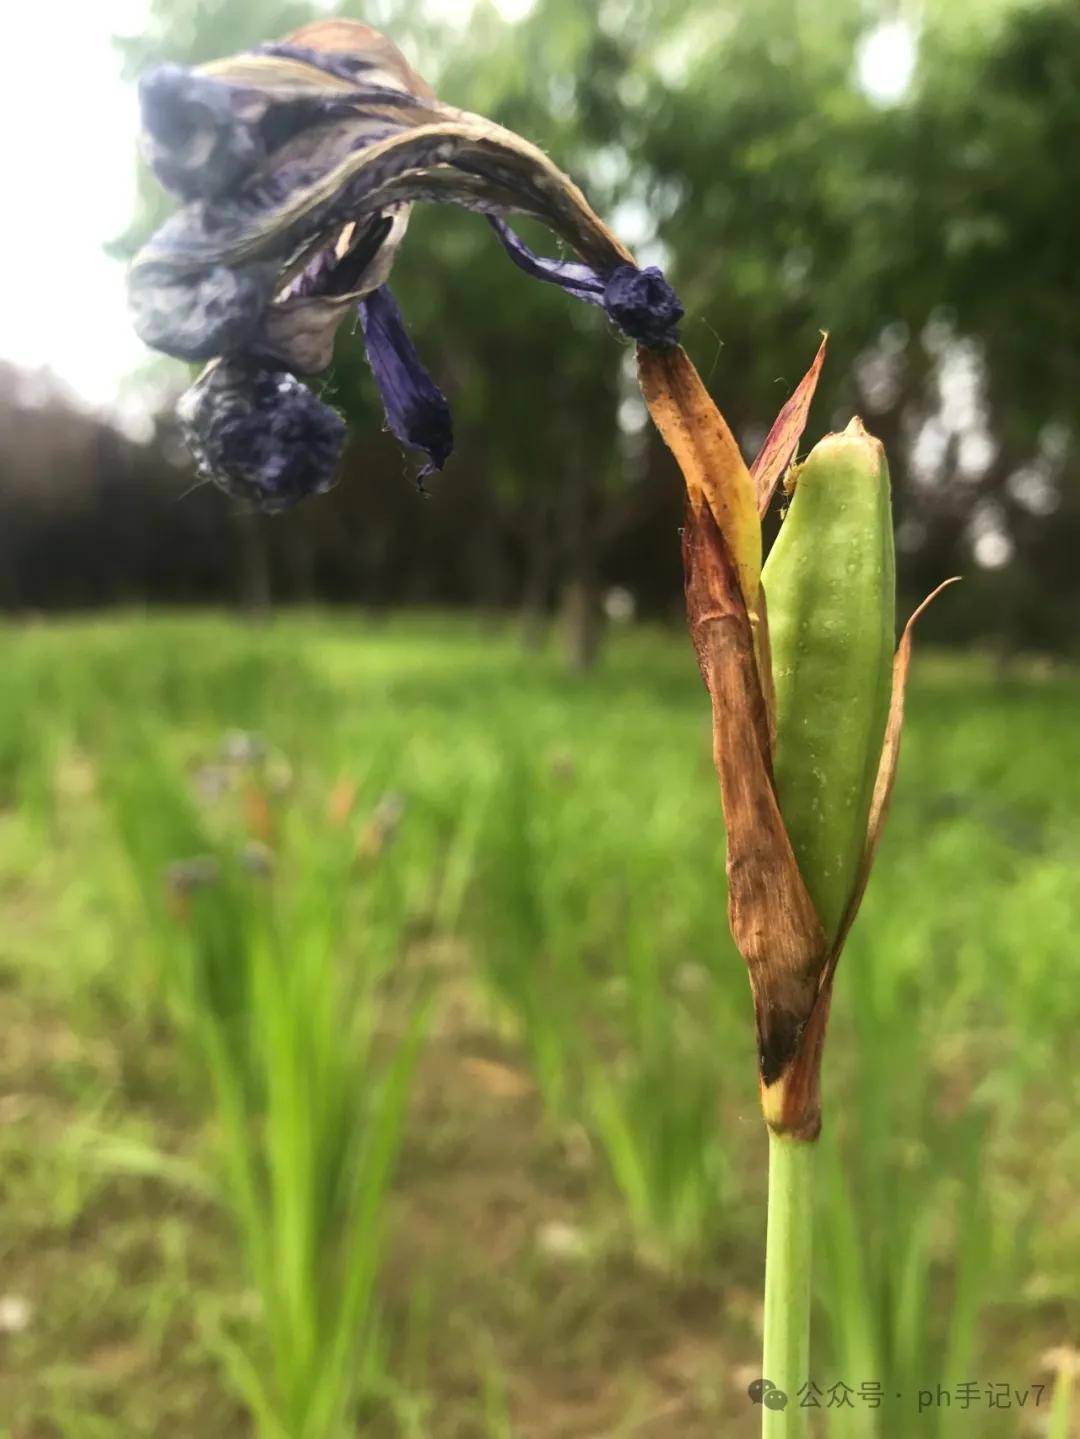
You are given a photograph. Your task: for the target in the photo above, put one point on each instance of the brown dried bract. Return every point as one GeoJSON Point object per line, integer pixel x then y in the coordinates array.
{"type": "Point", "coordinates": [782, 442]}
{"type": "Point", "coordinates": [772, 918]}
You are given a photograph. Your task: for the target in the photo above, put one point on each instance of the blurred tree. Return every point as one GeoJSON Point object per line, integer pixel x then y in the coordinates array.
{"type": "Point", "coordinates": [927, 230]}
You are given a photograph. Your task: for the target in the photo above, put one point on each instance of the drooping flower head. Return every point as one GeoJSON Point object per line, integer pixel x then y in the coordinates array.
{"type": "Point", "coordinates": [298, 163]}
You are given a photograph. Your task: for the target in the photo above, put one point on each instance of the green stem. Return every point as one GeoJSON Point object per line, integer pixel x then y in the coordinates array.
{"type": "Point", "coordinates": [786, 1359]}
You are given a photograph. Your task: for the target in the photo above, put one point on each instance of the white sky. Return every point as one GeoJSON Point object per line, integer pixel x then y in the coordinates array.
{"type": "Point", "coordinates": [885, 61]}
{"type": "Point", "coordinates": [69, 125]}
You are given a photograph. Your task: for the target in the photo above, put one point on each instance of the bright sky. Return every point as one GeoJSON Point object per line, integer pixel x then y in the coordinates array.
{"type": "Point", "coordinates": [885, 61]}
{"type": "Point", "coordinates": [69, 124]}
{"type": "Point", "coordinates": [69, 133]}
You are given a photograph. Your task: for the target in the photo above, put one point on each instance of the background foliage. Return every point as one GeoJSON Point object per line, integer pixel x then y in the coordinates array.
{"type": "Point", "coordinates": [245, 868]}
{"type": "Point", "coordinates": [931, 232]}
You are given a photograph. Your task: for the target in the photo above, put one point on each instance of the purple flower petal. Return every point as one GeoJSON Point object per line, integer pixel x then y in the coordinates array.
{"type": "Point", "coordinates": [576, 279]}
{"type": "Point", "coordinates": [416, 409]}
{"type": "Point", "coordinates": [640, 303]}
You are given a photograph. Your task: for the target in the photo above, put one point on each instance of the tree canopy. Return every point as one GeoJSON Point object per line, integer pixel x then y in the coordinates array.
{"type": "Point", "coordinates": [929, 227]}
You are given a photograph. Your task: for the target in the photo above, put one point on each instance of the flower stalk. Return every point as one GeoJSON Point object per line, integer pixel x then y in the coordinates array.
{"type": "Point", "coordinates": [785, 1363]}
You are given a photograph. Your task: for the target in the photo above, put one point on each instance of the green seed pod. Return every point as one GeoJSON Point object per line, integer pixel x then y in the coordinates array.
{"type": "Point", "coordinates": [830, 583]}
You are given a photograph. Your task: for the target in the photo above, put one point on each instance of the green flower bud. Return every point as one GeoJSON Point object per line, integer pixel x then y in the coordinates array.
{"type": "Point", "coordinates": [830, 583]}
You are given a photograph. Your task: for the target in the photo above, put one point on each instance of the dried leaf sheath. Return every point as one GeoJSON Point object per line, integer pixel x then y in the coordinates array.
{"type": "Point", "coordinates": [772, 917]}
{"type": "Point", "coordinates": [770, 913]}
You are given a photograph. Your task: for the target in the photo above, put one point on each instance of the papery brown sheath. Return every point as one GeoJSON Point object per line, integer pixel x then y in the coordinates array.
{"type": "Point", "coordinates": [772, 918]}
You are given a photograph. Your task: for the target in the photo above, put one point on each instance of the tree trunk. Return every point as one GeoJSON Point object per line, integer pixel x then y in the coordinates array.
{"type": "Point", "coordinates": [580, 600]}
{"type": "Point", "coordinates": [580, 619]}
{"type": "Point", "coordinates": [300, 560]}
{"type": "Point", "coordinates": [253, 569]}
{"type": "Point", "coordinates": [536, 587]}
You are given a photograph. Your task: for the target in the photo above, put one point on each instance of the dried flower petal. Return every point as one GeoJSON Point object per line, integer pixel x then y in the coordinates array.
{"type": "Point", "coordinates": [416, 409]}
{"type": "Point", "coordinates": [298, 330]}
{"type": "Point", "coordinates": [644, 306]}
{"type": "Point", "coordinates": [201, 313]}
{"type": "Point", "coordinates": [389, 142]}
{"type": "Point", "coordinates": [576, 279]}
{"type": "Point", "coordinates": [299, 161]}
{"type": "Point", "coordinates": [260, 435]}
{"type": "Point", "coordinates": [640, 303]}
{"type": "Point", "coordinates": [199, 136]}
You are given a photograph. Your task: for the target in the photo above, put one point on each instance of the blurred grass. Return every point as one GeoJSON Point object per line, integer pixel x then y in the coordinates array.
{"type": "Point", "coordinates": [576, 1224]}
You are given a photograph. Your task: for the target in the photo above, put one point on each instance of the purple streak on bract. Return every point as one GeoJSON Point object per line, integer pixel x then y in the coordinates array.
{"type": "Point", "coordinates": [640, 303]}
{"type": "Point", "coordinates": [352, 68]}
{"type": "Point", "coordinates": [345, 67]}
{"type": "Point", "coordinates": [416, 409]}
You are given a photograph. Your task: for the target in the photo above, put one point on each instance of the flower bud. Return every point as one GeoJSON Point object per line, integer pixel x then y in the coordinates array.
{"type": "Point", "coordinates": [831, 589]}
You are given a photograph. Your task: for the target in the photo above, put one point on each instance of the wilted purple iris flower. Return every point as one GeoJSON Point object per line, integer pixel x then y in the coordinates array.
{"type": "Point", "coordinates": [298, 164]}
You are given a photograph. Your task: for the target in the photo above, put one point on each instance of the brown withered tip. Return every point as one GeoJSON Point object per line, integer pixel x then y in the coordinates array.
{"type": "Point", "coordinates": [782, 442]}
{"type": "Point", "coordinates": [791, 1102]}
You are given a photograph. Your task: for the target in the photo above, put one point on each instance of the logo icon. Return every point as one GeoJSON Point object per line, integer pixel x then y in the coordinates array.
{"type": "Point", "coordinates": [764, 1391]}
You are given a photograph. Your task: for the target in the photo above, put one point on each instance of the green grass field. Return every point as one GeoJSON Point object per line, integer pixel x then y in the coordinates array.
{"type": "Point", "coordinates": [375, 1059]}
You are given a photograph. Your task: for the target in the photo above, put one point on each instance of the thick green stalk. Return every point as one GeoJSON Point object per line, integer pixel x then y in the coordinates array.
{"type": "Point", "coordinates": [786, 1358]}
